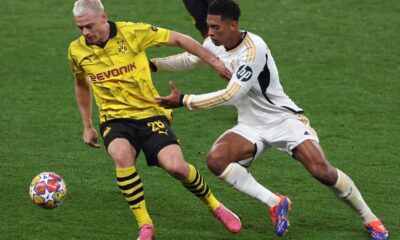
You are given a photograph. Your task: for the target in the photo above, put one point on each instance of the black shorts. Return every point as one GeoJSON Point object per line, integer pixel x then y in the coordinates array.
{"type": "Point", "coordinates": [149, 134]}
{"type": "Point", "coordinates": [198, 9]}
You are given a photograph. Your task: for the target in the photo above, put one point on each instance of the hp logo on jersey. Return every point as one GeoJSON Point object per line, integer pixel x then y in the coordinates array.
{"type": "Point", "coordinates": [244, 73]}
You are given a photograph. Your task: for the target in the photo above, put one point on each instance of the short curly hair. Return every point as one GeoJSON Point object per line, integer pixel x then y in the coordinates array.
{"type": "Point", "coordinates": [227, 9]}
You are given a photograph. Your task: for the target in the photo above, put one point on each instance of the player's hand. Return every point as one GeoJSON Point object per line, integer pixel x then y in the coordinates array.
{"type": "Point", "coordinates": [171, 101]}
{"type": "Point", "coordinates": [223, 71]}
{"type": "Point", "coordinates": [90, 137]}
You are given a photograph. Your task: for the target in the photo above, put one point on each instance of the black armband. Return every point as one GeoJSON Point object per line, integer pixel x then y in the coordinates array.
{"type": "Point", "coordinates": [152, 66]}
{"type": "Point", "coordinates": [181, 100]}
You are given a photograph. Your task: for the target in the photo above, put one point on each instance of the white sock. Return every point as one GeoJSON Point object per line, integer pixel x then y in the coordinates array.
{"type": "Point", "coordinates": [242, 180]}
{"type": "Point", "coordinates": [346, 190]}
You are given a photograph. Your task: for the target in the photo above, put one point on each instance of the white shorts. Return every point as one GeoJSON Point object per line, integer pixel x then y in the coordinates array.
{"type": "Point", "coordinates": [285, 135]}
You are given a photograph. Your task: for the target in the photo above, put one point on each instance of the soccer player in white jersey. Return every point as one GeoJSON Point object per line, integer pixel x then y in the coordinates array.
{"type": "Point", "coordinates": [267, 118]}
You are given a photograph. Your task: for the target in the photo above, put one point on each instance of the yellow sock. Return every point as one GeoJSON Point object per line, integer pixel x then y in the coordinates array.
{"type": "Point", "coordinates": [195, 183]}
{"type": "Point", "coordinates": [131, 187]}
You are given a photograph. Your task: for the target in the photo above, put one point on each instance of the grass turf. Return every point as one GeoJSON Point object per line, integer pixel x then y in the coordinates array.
{"type": "Point", "coordinates": [337, 59]}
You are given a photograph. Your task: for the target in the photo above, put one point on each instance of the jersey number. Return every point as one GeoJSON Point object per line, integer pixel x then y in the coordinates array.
{"type": "Point", "coordinates": [157, 126]}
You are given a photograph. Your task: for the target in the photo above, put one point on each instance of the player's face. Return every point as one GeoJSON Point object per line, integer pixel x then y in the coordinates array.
{"type": "Point", "coordinates": [220, 31]}
{"type": "Point", "coordinates": [93, 27]}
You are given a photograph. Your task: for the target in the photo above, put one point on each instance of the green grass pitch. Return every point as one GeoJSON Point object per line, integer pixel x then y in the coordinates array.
{"type": "Point", "coordinates": [339, 60]}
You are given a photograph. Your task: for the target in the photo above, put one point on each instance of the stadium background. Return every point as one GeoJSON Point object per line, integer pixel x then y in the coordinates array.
{"type": "Point", "coordinates": [339, 60]}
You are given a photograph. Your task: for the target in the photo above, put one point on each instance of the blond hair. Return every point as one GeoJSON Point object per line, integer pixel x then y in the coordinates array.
{"type": "Point", "coordinates": [82, 7]}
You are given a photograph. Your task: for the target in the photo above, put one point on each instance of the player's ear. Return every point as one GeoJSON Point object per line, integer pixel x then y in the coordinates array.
{"type": "Point", "coordinates": [104, 16]}
{"type": "Point", "coordinates": [233, 25]}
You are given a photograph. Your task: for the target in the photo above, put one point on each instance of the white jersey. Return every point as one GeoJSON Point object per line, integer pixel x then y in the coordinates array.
{"type": "Point", "coordinates": [254, 88]}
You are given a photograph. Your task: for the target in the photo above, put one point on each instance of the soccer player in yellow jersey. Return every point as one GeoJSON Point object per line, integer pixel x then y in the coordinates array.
{"type": "Point", "coordinates": [109, 59]}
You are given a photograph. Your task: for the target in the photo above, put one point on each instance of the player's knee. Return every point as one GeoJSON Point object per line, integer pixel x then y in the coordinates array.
{"type": "Point", "coordinates": [122, 153]}
{"type": "Point", "coordinates": [176, 167]}
{"type": "Point", "coordinates": [215, 162]}
{"type": "Point", "coordinates": [121, 159]}
{"type": "Point", "coordinates": [178, 171]}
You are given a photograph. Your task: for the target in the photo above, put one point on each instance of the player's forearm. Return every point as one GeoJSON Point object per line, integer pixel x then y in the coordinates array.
{"type": "Point", "coordinates": [190, 45]}
{"type": "Point", "coordinates": [83, 97]}
{"type": "Point", "coordinates": [226, 97]}
{"type": "Point", "coordinates": [176, 63]}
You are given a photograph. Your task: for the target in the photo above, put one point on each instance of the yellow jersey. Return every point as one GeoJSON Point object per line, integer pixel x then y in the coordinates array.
{"type": "Point", "coordinates": [119, 71]}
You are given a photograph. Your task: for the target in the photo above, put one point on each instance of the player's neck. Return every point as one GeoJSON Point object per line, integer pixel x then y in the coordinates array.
{"type": "Point", "coordinates": [237, 39]}
{"type": "Point", "coordinates": [106, 34]}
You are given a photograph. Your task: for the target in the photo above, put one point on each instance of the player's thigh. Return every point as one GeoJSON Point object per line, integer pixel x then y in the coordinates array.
{"type": "Point", "coordinates": [122, 152]}
{"type": "Point", "coordinates": [311, 155]}
{"type": "Point", "coordinates": [287, 134]}
{"type": "Point", "coordinates": [309, 152]}
{"type": "Point", "coordinates": [121, 141]}
{"type": "Point", "coordinates": [171, 159]}
{"type": "Point", "coordinates": [156, 134]}
{"type": "Point", "coordinates": [231, 147]}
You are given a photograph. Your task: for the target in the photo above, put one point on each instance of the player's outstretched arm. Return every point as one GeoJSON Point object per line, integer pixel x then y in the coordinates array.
{"type": "Point", "coordinates": [176, 63]}
{"type": "Point", "coordinates": [190, 45]}
{"type": "Point", "coordinates": [228, 96]}
{"type": "Point", "coordinates": [83, 97]}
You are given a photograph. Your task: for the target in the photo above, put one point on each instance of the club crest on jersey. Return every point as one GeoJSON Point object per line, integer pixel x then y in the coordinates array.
{"type": "Point", "coordinates": [244, 73]}
{"type": "Point", "coordinates": [232, 65]}
{"type": "Point", "coordinates": [122, 47]}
